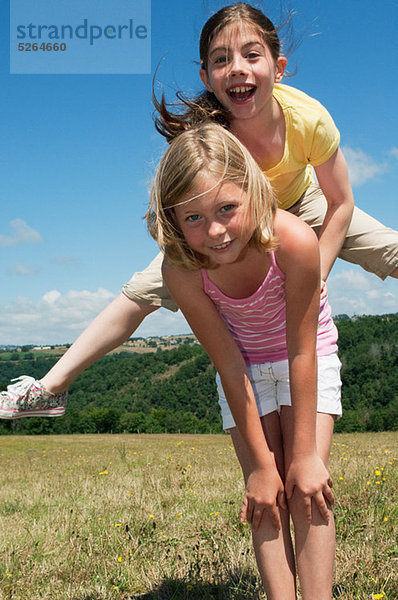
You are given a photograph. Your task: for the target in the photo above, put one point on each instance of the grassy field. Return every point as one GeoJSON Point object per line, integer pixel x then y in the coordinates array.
{"type": "Point", "coordinates": [156, 517]}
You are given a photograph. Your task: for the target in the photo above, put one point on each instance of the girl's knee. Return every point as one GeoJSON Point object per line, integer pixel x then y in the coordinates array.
{"type": "Point", "coordinates": [297, 509]}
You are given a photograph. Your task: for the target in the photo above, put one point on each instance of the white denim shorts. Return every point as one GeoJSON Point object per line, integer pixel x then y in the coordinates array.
{"type": "Point", "coordinates": [271, 388]}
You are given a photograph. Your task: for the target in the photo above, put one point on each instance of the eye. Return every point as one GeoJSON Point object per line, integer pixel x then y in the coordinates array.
{"type": "Point", "coordinates": [219, 60]}
{"type": "Point", "coordinates": [227, 208]}
{"type": "Point", "coordinates": [193, 218]}
{"type": "Point", "coordinates": [252, 54]}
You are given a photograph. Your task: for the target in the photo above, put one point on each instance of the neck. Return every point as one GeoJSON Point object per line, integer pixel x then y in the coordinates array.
{"type": "Point", "coordinates": [243, 277]}
{"type": "Point", "coordinates": [260, 125]}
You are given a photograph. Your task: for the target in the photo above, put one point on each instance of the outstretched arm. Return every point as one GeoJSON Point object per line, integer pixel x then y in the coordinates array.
{"type": "Point", "coordinates": [264, 490]}
{"type": "Point", "coordinates": [298, 257]}
{"type": "Point", "coordinates": [333, 179]}
{"type": "Point", "coordinates": [113, 326]}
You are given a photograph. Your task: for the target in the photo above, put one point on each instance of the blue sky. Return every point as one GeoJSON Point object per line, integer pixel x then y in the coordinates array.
{"type": "Point", "coordinates": [77, 153]}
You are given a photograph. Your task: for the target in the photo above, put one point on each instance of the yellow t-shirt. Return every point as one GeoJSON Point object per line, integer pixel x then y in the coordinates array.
{"type": "Point", "coordinates": [311, 139]}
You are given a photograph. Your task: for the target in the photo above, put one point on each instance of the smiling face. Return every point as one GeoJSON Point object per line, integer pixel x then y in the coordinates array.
{"type": "Point", "coordinates": [210, 200]}
{"type": "Point", "coordinates": [241, 71]}
{"type": "Point", "coordinates": [215, 224]}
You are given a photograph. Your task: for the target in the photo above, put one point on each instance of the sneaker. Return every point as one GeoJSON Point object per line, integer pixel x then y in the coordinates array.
{"type": "Point", "coordinates": [29, 398]}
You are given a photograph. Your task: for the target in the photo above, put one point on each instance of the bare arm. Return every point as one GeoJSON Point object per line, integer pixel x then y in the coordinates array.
{"type": "Point", "coordinates": [333, 179]}
{"type": "Point", "coordinates": [113, 326]}
{"type": "Point", "coordinates": [298, 257]}
{"type": "Point", "coordinates": [264, 487]}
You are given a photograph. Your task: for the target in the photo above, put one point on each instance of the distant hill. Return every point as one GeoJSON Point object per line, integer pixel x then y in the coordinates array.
{"type": "Point", "coordinates": [174, 390]}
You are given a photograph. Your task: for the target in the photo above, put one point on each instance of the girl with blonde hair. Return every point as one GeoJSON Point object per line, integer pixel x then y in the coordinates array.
{"type": "Point", "coordinates": [246, 275]}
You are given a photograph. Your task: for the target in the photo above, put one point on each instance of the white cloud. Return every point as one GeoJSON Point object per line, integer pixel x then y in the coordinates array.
{"type": "Point", "coordinates": [59, 318]}
{"type": "Point", "coordinates": [163, 322]}
{"type": "Point", "coordinates": [352, 279]}
{"type": "Point", "coordinates": [357, 292]}
{"type": "Point", "coordinates": [361, 166]}
{"type": "Point", "coordinates": [21, 233]}
{"type": "Point", "coordinates": [394, 152]}
{"type": "Point", "coordinates": [54, 319]}
{"type": "Point", "coordinates": [51, 298]}
{"type": "Point", "coordinates": [22, 270]}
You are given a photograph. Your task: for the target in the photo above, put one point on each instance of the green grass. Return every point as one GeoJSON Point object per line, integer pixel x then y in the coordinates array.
{"type": "Point", "coordinates": [156, 517]}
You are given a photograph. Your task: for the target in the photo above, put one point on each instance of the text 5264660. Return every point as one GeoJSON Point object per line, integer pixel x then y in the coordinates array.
{"type": "Point", "coordinates": [43, 47]}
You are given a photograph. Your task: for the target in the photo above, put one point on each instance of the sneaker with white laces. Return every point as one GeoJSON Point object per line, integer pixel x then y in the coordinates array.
{"type": "Point", "coordinates": [29, 398]}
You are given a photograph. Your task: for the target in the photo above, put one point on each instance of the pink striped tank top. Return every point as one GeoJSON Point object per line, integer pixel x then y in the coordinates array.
{"type": "Point", "coordinates": [258, 323]}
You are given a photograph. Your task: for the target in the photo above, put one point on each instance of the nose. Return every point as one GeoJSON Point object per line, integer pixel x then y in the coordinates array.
{"type": "Point", "coordinates": [215, 229]}
{"type": "Point", "coordinates": [237, 65]}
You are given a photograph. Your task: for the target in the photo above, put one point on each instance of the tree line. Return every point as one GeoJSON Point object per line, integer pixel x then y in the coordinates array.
{"type": "Point", "coordinates": [174, 390]}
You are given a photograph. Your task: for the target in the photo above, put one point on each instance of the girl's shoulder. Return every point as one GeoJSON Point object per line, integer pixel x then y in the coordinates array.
{"type": "Point", "coordinates": [291, 97]}
{"type": "Point", "coordinates": [297, 242]}
{"type": "Point", "coordinates": [310, 130]}
{"type": "Point", "coordinates": [177, 277]}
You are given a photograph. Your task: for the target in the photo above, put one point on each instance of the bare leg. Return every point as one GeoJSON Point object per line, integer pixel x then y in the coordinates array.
{"type": "Point", "coordinates": [274, 552]}
{"type": "Point", "coordinates": [315, 541]}
{"type": "Point", "coordinates": [113, 326]}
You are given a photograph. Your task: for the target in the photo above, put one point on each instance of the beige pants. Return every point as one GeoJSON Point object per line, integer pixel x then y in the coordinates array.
{"type": "Point", "coordinates": [368, 243]}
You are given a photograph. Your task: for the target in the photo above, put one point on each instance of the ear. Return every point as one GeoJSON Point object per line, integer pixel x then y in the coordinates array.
{"type": "Point", "coordinates": [205, 79]}
{"type": "Point", "coordinates": [280, 68]}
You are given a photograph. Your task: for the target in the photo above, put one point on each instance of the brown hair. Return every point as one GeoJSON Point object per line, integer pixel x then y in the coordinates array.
{"type": "Point", "coordinates": [238, 14]}
{"type": "Point", "coordinates": [206, 106]}
{"type": "Point", "coordinates": [213, 149]}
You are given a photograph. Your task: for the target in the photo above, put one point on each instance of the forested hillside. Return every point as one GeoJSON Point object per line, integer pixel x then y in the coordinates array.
{"type": "Point", "coordinates": [174, 390]}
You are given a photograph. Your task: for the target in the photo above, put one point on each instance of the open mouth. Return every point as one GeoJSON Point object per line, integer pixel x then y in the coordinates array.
{"type": "Point", "coordinates": [241, 93]}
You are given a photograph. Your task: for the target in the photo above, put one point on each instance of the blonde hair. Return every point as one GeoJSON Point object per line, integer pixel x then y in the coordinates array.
{"type": "Point", "coordinates": [213, 149]}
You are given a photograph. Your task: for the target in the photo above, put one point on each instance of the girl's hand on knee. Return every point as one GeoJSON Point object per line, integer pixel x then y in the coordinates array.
{"type": "Point", "coordinates": [264, 494]}
{"type": "Point", "coordinates": [309, 476]}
